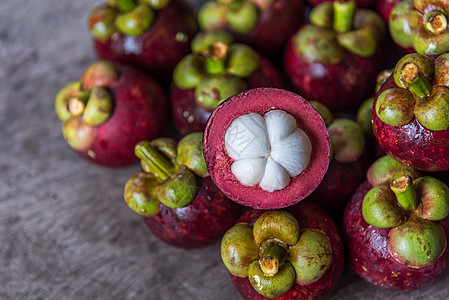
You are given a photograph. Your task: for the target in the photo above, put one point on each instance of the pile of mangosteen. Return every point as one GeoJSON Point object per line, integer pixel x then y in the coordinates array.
{"type": "Point", "coordinates": [299, 134]}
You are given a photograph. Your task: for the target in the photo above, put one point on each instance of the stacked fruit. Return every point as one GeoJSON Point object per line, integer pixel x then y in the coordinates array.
{"type": "Point", "coordinates": [262, 149]}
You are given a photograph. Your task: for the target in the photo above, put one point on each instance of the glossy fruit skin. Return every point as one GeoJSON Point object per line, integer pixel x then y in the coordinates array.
{"type": "Point", "coordinates": [339, 183]}
{"type": "Point", "coordinates": [200, 223]}
{"type": "Point", "coordinates": [190, 117]}
{"type": "Point", "coordinates": [308, 215]}
{"type": "Point", "coordinates": [412, 144]}
{"type": "Point", "coordinates": [261, 100]}
{"type": "Point", "coordinates": [140, 112]}
{"type": "Point", "coordinates": [342, 86]}
{"type": "Point", "coordinates": [156, 50]}
{"type": "Point", "coordinates": [369, 257]}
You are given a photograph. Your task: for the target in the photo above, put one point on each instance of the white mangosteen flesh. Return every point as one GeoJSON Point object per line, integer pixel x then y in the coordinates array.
{"type": "Point", "coordinates": [267, 150]}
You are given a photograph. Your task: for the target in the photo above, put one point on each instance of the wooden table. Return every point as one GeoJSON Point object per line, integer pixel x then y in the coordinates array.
{"type": "Point", "coordinates": [65, 230]}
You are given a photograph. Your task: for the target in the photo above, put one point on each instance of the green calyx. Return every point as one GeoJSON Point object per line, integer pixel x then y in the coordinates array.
{"type": "Point", "coordinates": [135, 21]}
{"type": "Point", "coordinates": [422, 25]}
{"type": "Point", "coordinates": [275, 253]}
{"type": "Point", "coordinates": [85, 104]}
{"type": "Point", "coordinates": [415, 96]}
{"type": "Point", "coordinates": [101, 22]}
{"type": "Point", "coordinates": [363, 116]}
{"type": "Point", "coordinates": [347, 140]}
{"type": "Point", "coordinates": [241, 15]}
{"type": "Point", "coordinates": [410, 207]}
{"type": "Point", "coordinates": [343, 28]}
{"type": "Point", "coordinates": [386, 169]}
{"type": "Point", "coordinates": [139, 194]}
{"type": "Point", "coordinates": [172, 169]}
{"type": "Point", "coordinates": [216, 68]}
{"type": "Point", "coordinates": [324, 112]}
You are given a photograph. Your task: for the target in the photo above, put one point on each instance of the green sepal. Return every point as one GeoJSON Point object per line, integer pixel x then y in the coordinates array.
{"type": "Point", "coordinates": [244, 18]}
{"type": "Point", "coordinates": [138, 194]}
{"type": "Point", "coordinates": [395, 106]}
{"type": "Point", "coordinates": [271, 286]}
{"type": "Point", "coordinates": [361, 42]}
{"type": "Point", "coordinates": [99, 107]}
{"type": "Point", "coordinates": [70, 90]}
{"type": "Point", "coordinates": [189, 71]}
{"type": "Point", "coordinates": [433, 112]}
{"type": "Point", "coordinates": [78, 135]}
{"type": "Point", "coordinates": [212, 16]}
{"type": "Point", "coordinates": [403, 21]}
{"type": "Point", "coordinates": [380, 207]}
{"type": "Point", "coordinates": [424, 63]}
{"type": "Point", "coordinates": [417, 243]}
{"type": "Point", "coordinates": [101, 22]}
{"type": "Point", "coordinates": [363, 116]}
{"type": "Point", "coordinates": [323, 110]}
{"type": "Point", "coordinates": [202, 40]}
{"type": "Point", "coordinates": [242, 60]}
{"type": "Point", "coordinates": [441, 76]}
{"type": "Point", "coordinates": [179, 190]}
{"type": "Point", "coordinates": [434, 198]}
{"type": "Point", "coordinates": [190, 153]}
{"type": "Point", "coordinates": [215, 89]}
{"type": "Point", "coordinates": [311, 257]}
{"type": "Point", "coordinates": [136, 21]}
{"type": "Point", "coordinates": [156, 4]}
{"type": "Point", "coordinates": [276, 224]}
{"type": "Point", "coordinates": [347, 139]}
{"type": "Point", "coordinates": [428, 43]}
{"type": "Point", "coordinates": [386, 168]}
{"type": "Point", "coordinates": [322, 15]}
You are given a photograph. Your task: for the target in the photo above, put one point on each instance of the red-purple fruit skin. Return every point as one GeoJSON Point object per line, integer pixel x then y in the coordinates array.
{"type": "Point", "coordinates": [360, 3]}
{"type": "Point", "coordinates": [261, 100]}
{"type": "Point", "coordinates": [272, 32]}
{"type": "Point", "coordinates": [157, 49]}
{"type": "Point", "coordinates": [200, 223]}
{"type": "Point", "coordinates": [308, 215]}
{"type": "Point", "coordinates": [140, 112]}
{"type": "Point", "coordinates": [339, 183]}
{"type": "Point", "coordinates": [189, 117]}
{"type": "Point", "coordinates": [369, 257]}
{"type": "Point", "coordinates": [412, 144]}
{"type": "Point", "coordinates": [342, 86]}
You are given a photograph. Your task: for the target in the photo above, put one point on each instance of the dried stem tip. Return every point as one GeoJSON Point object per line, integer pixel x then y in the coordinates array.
{"type": "Point", "coordinates": [436, 22]}
{"type": "Point", "coordinates": [405, 192]}
{"type": "Point", "coordinates": [272, 258]}
{"type": "Point", "coordinates": [410, 72]}
{"type": "Point", "coordinates": [218, 50]}
{"type": "Point", "coordinates": [76, 106]}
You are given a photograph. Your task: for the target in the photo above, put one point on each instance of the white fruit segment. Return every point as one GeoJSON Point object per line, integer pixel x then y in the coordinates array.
{"type": "Point", "coordinates": [267, 150]}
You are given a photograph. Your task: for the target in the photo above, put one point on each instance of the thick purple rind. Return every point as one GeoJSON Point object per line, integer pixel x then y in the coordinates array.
{"type": "Point", "coordinates": [157, 50]}
{"type": "Point", "coordinates": [140, 112]}
{"type": "Point", "coordinates": [368, 255]}
{"type": "Point", "coordinates": [342, 86]}
{"type": "Point", "coordinates": [190, 117]}
{"type": "Point", "coordinates": [199, 224]}
{"type": "Point", "coordinates": [309, 216]}
{"type": "Point", "coordinates": [412, 144]}
{"type": "Point", "coordinates": [262, 100]}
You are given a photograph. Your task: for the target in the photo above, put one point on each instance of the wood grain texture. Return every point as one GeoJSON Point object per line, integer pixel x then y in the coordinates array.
{"type": "Point", "coordinates": [65, 231]}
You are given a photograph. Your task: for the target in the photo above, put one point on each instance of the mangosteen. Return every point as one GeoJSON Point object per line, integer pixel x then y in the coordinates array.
{"type": "Point", "coordinates": [265, 25]}
{"type": "Point", "coordinates": [109, 110]}
{"type": "Point", "coordinates": [397, 228]}
{"type": "Point", "coordinates": [266, 148]}
{"type": "Point", "coordinates": [175, 196]}
{"type": "Point", "coordinates": [349, 162]}
{"type": "Point", "coordinates": [336, 57]}
{"type": "Point", "coordinates": [296, 253]}
{"type": "Point", "coordinates": [420, 26]}
{"type": "Point", "coordinates": [411, 112]}
{"type": "Point", "coordinates": [153, 35]}
{"type": "Point", "coordinates": [216, 69]}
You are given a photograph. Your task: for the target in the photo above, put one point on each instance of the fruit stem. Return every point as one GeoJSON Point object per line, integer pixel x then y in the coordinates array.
{"type": "Point", "coordinates": [154, 161]}
{"type": "Point", "coordinates": [436, 22]}
{"type": "Point", "coordinates": [405, 192]}
{"type": "Point", "coordinates": [216, 57]}
{"type": "Point", "coordinates": [417, 82]}
{"type": "Point", "coordinates": [273, 256]}
{"type": "Point", "coordinates": [126, 5]}
{"type": "Point", "coordinates": [76, 104]}
{"type": "Point", "coordinates": [343, 15]}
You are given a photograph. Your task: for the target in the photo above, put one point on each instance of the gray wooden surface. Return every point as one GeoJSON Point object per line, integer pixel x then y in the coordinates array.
{"type": "Point", "coordinates": [65, 231]}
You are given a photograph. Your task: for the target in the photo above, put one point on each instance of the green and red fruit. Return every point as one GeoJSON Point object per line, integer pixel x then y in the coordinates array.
{"type": "Point", "coordinates": [216, 69]}
{"type": "Point", "coordinates": [175, 195]}
{"type": "Point", "coordinates": [153, 35]}
{"type": "Point", "coordinates": [266, 148]}
{"type": "Point", "coordinates": [109, 110]}
{"type": "Point", "coordinates": [296, 253]}
{"type": "Point", "coordinates": [397, 228]}
{"type": "Point", "coordinates": [255, 22]}
{"type": "Point", "coordinates": [336, 57]}
{"type": "Point", "coordinates": [411, 112]}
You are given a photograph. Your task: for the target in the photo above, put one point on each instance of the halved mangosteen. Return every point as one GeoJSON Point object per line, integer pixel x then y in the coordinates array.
{"type": "Point", "coordinates": [266, 148]}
